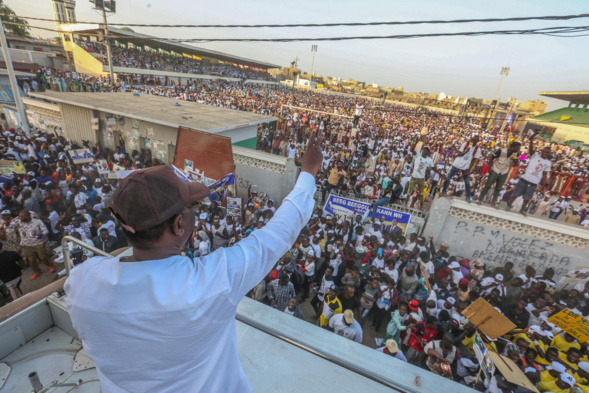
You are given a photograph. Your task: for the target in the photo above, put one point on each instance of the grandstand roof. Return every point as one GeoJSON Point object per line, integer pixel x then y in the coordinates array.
{"type": "Point", "coordinates": [569, 115]}
{"type": "Point", "coordinates": [128, 35]}
{"type": "Point", "coordinates": [571, 96]}
{"type": "Point", "coordinates": [160, 110]}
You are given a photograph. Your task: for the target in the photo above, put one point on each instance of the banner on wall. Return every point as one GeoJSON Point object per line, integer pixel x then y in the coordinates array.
{"type": "Point", "coordinates": [337, 205]}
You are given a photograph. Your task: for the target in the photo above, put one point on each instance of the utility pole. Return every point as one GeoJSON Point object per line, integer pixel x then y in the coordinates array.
{"type": "Point", "coordinates": [103, 6]}
{"type": "Point", "coordinates": [112, 77]}
{"type": "Point", "coordinates": [314, 50]}
{"type": "Point", "coordinates": [22, 114]}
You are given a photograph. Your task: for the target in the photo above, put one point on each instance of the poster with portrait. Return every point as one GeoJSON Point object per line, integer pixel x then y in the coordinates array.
{"type": "Point", "coordinates": [482, 354]}
{"type": "Point", "coordinates": [102, 167]}
{"type": "Point", "coordinates": [81, 156]}
{"type": "Point", "coordinates": [234, 206]}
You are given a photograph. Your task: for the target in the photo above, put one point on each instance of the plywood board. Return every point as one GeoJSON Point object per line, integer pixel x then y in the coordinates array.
{"type": "Point", "coordinates": [490, 321]}
{"type": "Point", "coordinates": [511, 371]}
{"type": "Point", "coordinates": [211, 154]}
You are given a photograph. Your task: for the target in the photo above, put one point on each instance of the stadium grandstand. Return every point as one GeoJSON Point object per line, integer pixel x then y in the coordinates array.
{"type": "Point", "coordinates": [569, 124]}
{"type": "Point", "coordinates": [135, 53]}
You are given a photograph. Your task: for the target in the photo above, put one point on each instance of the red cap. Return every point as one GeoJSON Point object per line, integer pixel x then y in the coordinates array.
{"type": "Point", "coordinates": [414, 305]}
{"type": "Point", "coordinates": [149, 197]}
{"type": "Point", "coordinates": [463, 281]}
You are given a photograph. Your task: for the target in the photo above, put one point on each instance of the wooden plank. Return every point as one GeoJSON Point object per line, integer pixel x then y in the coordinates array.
{"type": "Point", "coordinates": [490, 321]}
{"type": "Point", "coordinates": [511, 371]}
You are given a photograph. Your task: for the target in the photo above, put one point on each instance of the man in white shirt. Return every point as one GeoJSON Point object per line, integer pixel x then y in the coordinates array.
{"type": "Point", "coordinates": [358, 114]}
{"type": "Point", "coordinates": [536, 174]}
{"type": "Point", "coordinates": [345, 325]}
{"type": "Point", "coordinates": [423, 162]}
{"type": "Point", "coordinates": [468, 155]}
{"type": "Point", "coordinates": [158, 321]}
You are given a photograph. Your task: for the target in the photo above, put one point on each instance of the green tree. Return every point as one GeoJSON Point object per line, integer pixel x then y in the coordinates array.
{"type": "Point", "coordinates": [8, 15]}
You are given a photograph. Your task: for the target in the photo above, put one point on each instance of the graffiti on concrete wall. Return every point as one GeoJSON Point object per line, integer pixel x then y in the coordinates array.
{"type": "Point", "coordinates": [496, 247]}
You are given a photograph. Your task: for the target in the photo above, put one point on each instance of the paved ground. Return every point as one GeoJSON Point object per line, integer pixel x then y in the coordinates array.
{"type": "Point", "coordinates": [45, 278]}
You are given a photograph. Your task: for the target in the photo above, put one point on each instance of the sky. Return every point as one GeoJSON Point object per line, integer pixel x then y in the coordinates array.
{"type": "Point", "coordinates": [457, 66]}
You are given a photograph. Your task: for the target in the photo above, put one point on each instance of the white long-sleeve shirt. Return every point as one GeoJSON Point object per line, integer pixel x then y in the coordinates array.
{"type": "Point", "coordinates": [168, 325]}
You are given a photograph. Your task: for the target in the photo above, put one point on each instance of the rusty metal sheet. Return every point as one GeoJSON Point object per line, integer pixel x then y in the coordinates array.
{"type": "Point", "coordinates": [210, 153]}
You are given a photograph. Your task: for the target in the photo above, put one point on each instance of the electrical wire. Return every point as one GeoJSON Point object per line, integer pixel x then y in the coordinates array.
{"type": "Point", "coordinates": [349, 24]}
{"type": "Point", "coordinates": [551, 31]}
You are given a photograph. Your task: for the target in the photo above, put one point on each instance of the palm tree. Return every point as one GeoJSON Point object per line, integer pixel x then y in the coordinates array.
{"type": "Point", "coordinates": [21, 29]}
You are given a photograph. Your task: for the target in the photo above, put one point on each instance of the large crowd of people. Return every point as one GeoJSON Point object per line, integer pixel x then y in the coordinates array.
{"type": "Point", "coordinates": [357, 276]}
{"type": "Point", "coordinates": [132, 57]}
{"type": "Point", "coordinates": [374, 141]}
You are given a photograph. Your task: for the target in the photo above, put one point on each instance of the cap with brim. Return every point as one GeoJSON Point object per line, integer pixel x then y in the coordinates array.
{"type": "Point", "coordinates": [392, 346]}
{"type": "Point", "coordinates": [568, 379]}
{"type": "Point", "coordinates": [499, 277]}
{"type": "Point", "coordinates": [584, 366]}
{"type": "Point", "coordinates": [451, 300]}
{"type": "Point", "coordinates": [349, 316]}
{"type": "Point", "coordinates": [5, 212]}
{"type": "Point", "coordinates": [151, 196]}
{"type": "Point", "coordinates": [414, 305]}
{"type": "Point", "coordinates": [555, 366]}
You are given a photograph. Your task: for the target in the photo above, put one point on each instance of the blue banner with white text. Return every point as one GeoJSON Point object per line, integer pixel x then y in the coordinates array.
{"type": "Point", "coordinates": [340, 206]}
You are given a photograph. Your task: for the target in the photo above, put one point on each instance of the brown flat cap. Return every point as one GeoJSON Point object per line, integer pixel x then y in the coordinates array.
{"type": "Point", "coordinates": [149, 197]}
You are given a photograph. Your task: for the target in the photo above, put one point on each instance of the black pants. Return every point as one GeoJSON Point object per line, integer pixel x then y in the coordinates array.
{"type": "Point", "coordinates": [379, 315]}
{"type": "Point", "coordinates": [326, 189]}
{"type": "Point", "coordinates": [315, 302]}
{"type": "Point", "coordinates": [356, 120]}
{"type": "Point", "coordinates": [306, 285]}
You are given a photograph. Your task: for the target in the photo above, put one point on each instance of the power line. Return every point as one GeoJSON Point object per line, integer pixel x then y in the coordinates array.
{"type": "Point", "coordinates": [349, 24]}
{"type": "Point", "coordinates": [550, 31]}
{"type": "Point", "coordinates": [540, 31]}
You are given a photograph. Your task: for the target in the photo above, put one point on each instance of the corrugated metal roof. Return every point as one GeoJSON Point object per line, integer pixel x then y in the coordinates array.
{"type": "Point", "coordinates": [144, 39]}
{"type": "Point", "coordinates": [571, 96]}
{"type": "Point", "coordinates": [161, 110]}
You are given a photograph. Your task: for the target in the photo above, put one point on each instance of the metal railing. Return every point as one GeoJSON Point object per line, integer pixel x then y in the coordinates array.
{"type": "Point", "coordinates": [289, 338]}
{"type": "Point", "coordinates": [66, 251]}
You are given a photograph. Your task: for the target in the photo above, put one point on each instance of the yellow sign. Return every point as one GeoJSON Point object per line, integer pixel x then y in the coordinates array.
{"type": "Point", "coordinates": [8, 166]}
{"type": "Point", "coordinates": [572, 323]}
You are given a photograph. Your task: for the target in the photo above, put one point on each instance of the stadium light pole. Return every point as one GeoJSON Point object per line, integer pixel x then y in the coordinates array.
{"type": "Point", "coordinates": [504, 72]}
{"type": "Point", "coordinates": [314, 50]}
{"type": "Point", "coordinates": [108, 53]}
{"type": "Point", "coordinates": [22, 114]}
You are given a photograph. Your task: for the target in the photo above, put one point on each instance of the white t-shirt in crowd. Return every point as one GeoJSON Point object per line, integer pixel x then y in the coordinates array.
{"type": "Point", "coordinates": [463, 163]}
{"type": "Point", "coordinates": [535, 168]}
{"type": "Point", "coordinates": [421, 166]}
